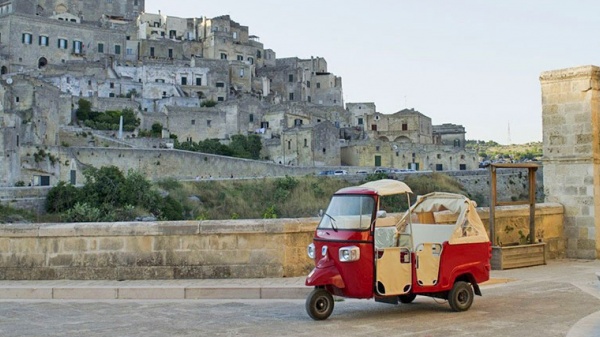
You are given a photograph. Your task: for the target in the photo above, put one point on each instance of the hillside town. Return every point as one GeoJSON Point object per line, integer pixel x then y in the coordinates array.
{"type": "Point", "coordinates": [195, 79]}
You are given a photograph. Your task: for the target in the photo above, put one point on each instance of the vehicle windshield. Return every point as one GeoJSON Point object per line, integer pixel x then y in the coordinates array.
{"type": "Point", "coordinates": [348, 212]}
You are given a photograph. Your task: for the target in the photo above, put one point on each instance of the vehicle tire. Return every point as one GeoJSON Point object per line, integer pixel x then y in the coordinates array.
{"type": "Point", "coordinates": [408, 298]}
{"type": "Point", "coordinates": [319, 304]}
{"type": "Point", "coordinates": [460, 297]}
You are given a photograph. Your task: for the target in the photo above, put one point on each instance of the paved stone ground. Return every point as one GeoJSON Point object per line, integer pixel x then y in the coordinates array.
{"type": "Point", "coordinates": [560, 299]}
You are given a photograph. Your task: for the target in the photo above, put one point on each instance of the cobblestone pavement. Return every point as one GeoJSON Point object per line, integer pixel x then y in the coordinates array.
{"type": "Point", "coordinates": [560, 299]}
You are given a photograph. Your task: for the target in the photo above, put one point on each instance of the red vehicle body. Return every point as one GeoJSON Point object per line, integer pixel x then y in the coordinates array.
{"type": "Point", "coordinates": [366, 254]}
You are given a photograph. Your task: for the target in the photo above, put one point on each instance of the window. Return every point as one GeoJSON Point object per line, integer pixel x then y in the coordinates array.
{"type": "Point", "coordinates": [360, 121]}
{"type": "Point", "coordinates": [17, 99]}
{"type": "Point", "coordinates": [240, 57]}
{"type": "Point", "coordinates": [457, 143]}
{"type": "Point", "coordinates": [129, 51]}
{"type": "Point", "coordinates": [43, 40]}
{"type": "Point", "coordinates": [251, 60]}
{"type": "Point", "coordinates": [374, 127]}
{"type": "Point", "coordinates": [223, 56]}
{"type": "Point", "coordinates": [77, 47]}
{"type": "Point", "coordinates": [242, 72]}
{"type": "Point", "coordinates": [208, 123]}
{"type": "Point", "coordinates": [118, 49]}
{"type": "Point", "coordinates": [62, 44]}
{"type": "Point", "coordinates": [235, 35]}
{"type": "Point", "coordinates": [377, 148]}
{"type": "Point", "coordinates": [462, 156]}
{"type": "Point", "coordinates": [290, 78]}
{"type": "Point", "coordinates": [297, 122]}
{"type": "Point", "coordinates": [462, 167]}
{"type": "Point", "coordinates": [309, 99]}
{"type": "Point", "coordinates": [258, 54]}
{"type": "Point", "coordinates": [112, 94]}
{"type": "Point", "coordinates": [172, 34]}
{"type": "Point", "coordinates": [183, 80]}
{"type": "Point", "coordinates": [439, 167]}
{"type": "Point", "coordinates": [291, 96]}
{"type": "Point", "coordinates": [151, 51]}
{"type": "Point", "coordinates": [198, 80]}
{"type": "Point", "coordinates": [318, 85]}
{"type": "Point", "coordinates": [264, 125]}
{"type": "Point", "coordinates": [308, 84]}
{"type": "Point", "coordinates": [251, 117]}
{"type": "Point", "coordinates": [100, 47]}
{"type": "Point", "coordinates": [305, 142]}
{"type": "Point", "coordinates": [193, 122]}
{"type": "Point", "coordinates": [170, 53]}
{"type": "Point", "coordinates": [26, 38]}
{"type": "Point", "coordinates": [220, 85]}
{"type": "Point", "coordinates": [135, 2]}
{"type": "Point", "coordinates": [439, 156]}
{"type": "Point", "coordinates": [220, 99]}
{"type": "Point", "coordinates": [289, 144]}
{"type": "Point", "coordinates": [404, 127]}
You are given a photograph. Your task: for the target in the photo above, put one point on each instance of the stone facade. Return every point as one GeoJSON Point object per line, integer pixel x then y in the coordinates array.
{"type": "Point", "coordinates": [192, 249]}
{"type": "Point", "coordinates": [571, 131]}
{"type": "Point", "coordinates": [427, 157]}
{"type": "Point", "coordinates": [450, 135]}
{"type": "Point", "coordinates": [165, 69]}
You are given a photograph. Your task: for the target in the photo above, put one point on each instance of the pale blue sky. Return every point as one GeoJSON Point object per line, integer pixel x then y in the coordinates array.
{"type": "Point", "coordinates": [469, 62]}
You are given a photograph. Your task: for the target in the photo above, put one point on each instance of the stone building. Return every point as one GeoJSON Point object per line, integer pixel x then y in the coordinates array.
{"type": "Point", "coordinates": [420, 157]}
{"type": "Point", "coordinates": [304, 80]}
{"type": "Point", "coordinates": [449, 134]}
{"type": "Point", "coordinates": [571, 138]}
{"type": "Point", "coordinates": [405, 126]}
{"type": "Point", "coordinates": [86, 10]}
{"type": "Point", "coordinates": [166, 69]}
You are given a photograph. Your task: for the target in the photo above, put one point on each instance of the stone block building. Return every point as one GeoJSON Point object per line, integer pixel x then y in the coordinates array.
{"type": "Point", "coordinates": [571, 140]}
{"type": "Point", "coordinates": [167, 69]}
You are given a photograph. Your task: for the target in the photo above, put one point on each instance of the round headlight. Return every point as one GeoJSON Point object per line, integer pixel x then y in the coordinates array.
{"type": "Point", "coordinates": [310, 250]}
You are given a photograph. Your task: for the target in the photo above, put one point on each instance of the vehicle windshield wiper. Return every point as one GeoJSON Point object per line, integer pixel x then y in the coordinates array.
{"type": "Point", "coordinates": [333, 225]}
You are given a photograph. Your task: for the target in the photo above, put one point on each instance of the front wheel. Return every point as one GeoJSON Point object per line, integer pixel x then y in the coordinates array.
{"type": "Point", "coordinates": [460, 297]}
{"type": "Point", "coordinates": [319, 304]}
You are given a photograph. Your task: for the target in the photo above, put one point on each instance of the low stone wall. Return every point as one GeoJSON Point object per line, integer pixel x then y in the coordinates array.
{"type": "Point", "coordinates": [188, 249]}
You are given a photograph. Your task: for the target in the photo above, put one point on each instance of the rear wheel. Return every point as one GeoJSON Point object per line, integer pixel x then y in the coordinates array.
{"type": "Point", "coordinates": [460, 297]}
{"type": "Point", "coordinates": [319, 304]}
{"type": "Point", "coordinates": [408, 298]}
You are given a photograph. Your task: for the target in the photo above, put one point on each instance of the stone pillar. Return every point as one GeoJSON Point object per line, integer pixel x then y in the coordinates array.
{"type": "Point", "coordinates": [570, 108]}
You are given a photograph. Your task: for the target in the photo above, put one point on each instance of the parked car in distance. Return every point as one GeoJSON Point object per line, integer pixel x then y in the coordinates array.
{"type": "Point", "coordinates": [362, 172]}
{"type": "Point", "coordinates": [326, 173]}
{"type": "Point", "coordinates": [340, 172]}
{"type": "Point", "coordinates": [381, 170]}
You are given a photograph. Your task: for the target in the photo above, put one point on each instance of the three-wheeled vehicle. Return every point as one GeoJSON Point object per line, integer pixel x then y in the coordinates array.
{"type": "Point", "coordinates": [438, 248]}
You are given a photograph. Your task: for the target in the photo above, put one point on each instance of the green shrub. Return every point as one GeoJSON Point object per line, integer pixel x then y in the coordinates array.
{"type": "Point", "coordinates": [62, 197]}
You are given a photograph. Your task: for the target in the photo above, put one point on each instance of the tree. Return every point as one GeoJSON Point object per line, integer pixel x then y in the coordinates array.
{"type": "Point", "coordinates": [84, 111]}
{"type": "Point", "coordinates": [62, 197]}
{"type": "Point", "coordinates": [157, 129]}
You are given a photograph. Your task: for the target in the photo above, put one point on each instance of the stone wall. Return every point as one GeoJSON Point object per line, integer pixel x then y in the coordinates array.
{"type": "Point", "coordinates": [194, 249]}
{"type": "Point", "coordinates": [571, 122]}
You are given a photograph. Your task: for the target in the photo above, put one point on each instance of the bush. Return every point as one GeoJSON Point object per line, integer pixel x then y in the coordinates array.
{"type": "Point", "coordinates": [62, 197]}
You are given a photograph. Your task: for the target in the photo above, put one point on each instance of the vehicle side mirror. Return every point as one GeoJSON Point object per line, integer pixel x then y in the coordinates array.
{"type": "Point", "coordinates": [381, 214]}
{"type": "Point", "coordinates": [320, 213]}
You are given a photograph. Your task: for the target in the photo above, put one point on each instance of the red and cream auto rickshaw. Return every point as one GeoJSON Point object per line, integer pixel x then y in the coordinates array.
{"type": "Point", "coordinates": [438, 248]}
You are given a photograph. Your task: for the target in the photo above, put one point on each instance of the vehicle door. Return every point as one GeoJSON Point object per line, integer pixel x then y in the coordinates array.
{"type": "Point", "coordinates": [393, 264]}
